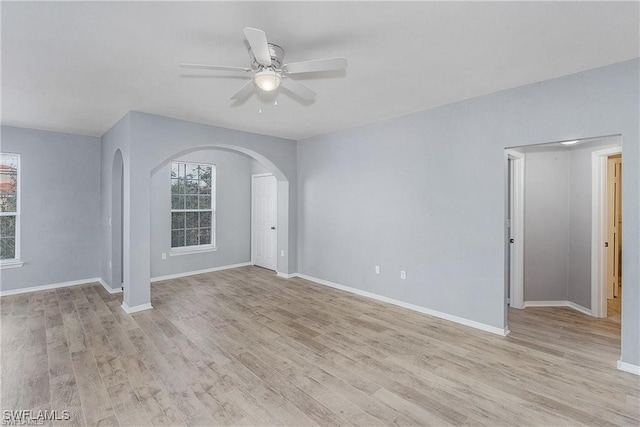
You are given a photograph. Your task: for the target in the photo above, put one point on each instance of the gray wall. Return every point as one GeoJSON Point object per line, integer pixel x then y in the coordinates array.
{"type": "Point", "coordinates": [425, 193]}
{"type": "Point", "coordinates": [233, 215]}
{"type": "Point", "coordinates": [579, 262]}
{"type": "Point", "coordinates": [546, 225]}
{"type": "Point", "coordinates": [60, 207]}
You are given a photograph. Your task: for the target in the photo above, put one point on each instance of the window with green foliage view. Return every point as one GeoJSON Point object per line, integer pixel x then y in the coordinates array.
{"type": "Point", "coordinates": [8, 206]}
{"type": "Point", "coordinates": [192, 204]}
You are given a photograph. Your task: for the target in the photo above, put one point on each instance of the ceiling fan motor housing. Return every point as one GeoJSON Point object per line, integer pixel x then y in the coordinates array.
{"type": "Point", "coordinates": [277, 57]}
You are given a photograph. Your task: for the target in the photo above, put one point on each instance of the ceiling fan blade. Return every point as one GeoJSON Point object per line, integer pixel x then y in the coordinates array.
{"type": "Point", "coordinates": [244, 91]}
{"type": "Point", "coordinates": [258, 41]}
{"type": "Point", "coordinates": [215, 67]}
{"type": "Point", "coordinates": [328, 64]}
{"type": "Point", "coordinates": [298, 89]}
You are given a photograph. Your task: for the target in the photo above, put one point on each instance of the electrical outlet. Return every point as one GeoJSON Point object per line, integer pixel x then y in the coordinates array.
{"type": "Point", "coordinates": [281, 253]}
{"type": "Point", "coordinates": [109, 263]}
{"type": "Point", "coordinates": [164, 255]}
{"type": "Point", "coordinates": [377, 269]}
{"type": "Point", "coordinates": [403, 274]}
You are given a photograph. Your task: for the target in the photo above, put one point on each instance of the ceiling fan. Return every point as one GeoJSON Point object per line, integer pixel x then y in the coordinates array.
{"type": "Point", "coordinates": [268, 70]}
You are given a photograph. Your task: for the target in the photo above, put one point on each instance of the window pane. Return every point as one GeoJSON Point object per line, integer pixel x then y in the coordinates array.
{"type": "Point", "coordinates": [8, 183]}
{"type": "Point", "coordinates": [8, 226]}
{"type": "Point", "coordinates": [8, 162]}
{"type": "Point", "coordinates": [205, 236]}
{"type": "Point", "coordinates": [205, 174]}
{"type": "Point", "coordinates": [204, 187]}
{"type": "Point", "coordinates": [192, 237]}
{"type": "Point", "coordinates": [174, 170]}
{"type": "Point", "coordinates": [205, 219]}
{"type": "Point", "coordinates": [192, 186]}
{"type": "Point", "coordinates": [8, 204]}
{"type": "Point", "coordinates": [192, 220]}
{"type": "Point", "coordinates": [205, 202]}
{"type": "Point", "coordinates": [192, 171]}
{"type": "Point", "coordinates": [8, 177]}
{"type": "Point", "coordinates": [177, 220]}
{"type": "Point", "coordinates": [191, 202]}
{"type": "Point", "coordinates": [7, 248]}
{"type": "Point", "coordinates": [177, 186]}
{"type": "Point", "coordinates": [177, 238]}
{"type": "Point", "coordinates": [177, 202]}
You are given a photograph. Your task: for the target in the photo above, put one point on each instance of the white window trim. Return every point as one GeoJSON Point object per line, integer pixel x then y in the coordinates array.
{"type": "Point", "coordinates": [15, 262]}
{"type": "Point", "coordinates": [212, 247]}
{"type": "Point", "coordinates": [187, 250]}
{"type": "Point", "coordinates": [11, 263]}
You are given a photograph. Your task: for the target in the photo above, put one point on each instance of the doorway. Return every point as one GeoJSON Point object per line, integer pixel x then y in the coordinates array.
{"type": "Point", "coordinates": [558, 199]}
{"type": "Point", "coordinates": [264, 214]}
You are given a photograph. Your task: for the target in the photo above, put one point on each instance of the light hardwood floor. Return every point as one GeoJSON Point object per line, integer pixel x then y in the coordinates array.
{"type": "Point", "coordinates": [614, 308]}
{"type": "Point", "coordinates": [243, 347]}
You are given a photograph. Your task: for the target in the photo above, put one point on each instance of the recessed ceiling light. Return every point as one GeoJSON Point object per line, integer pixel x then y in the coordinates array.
{"type": "Point", "coordinates": [570, 142]}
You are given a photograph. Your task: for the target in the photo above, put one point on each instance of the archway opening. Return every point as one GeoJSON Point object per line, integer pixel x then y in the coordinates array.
{"type": "Point", "coordinates": [176, 218]}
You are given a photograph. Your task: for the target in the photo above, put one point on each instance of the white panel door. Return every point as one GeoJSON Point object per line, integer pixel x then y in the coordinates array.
{"type": "Point", "coordinates": [264, 241]}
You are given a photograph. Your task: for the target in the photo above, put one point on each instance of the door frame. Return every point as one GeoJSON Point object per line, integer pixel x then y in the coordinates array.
{"type": "Point", "coordinates": [516, 267]}
{"type": "Point", "coordinates": [116, 223]}
{"type": "Point", "coordinates": [253, 179]}
{"type": "Point", "coordinates": [599, 229]}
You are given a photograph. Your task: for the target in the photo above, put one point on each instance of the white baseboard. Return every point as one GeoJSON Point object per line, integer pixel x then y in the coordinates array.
{"type": "Point", "coordinates": [569, 304]}
{"type": "Point", "coordinates": [430, 312]}
{"type": "Point", "coordinates": [50, 286]}
{"type": "Point", "coordinates": [135, 308]}
{"type": "Point", "coordinates": [545, 304]}
{"type": "Point", "coordinates": [109, 288]}
{"type": "Point", "coordinates": [628, 367]}
{"type": "Point", "coordinates": [286, 276]}
{"type": "Point", "coordinates": [193, 273]}
{"type": "Point", "coordinates": [579, 308]}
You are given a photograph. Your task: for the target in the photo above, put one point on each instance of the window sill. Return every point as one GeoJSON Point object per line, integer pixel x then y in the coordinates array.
{"type": "Point", "coordinates": [188, 251]}
{"type": "Point", "coordinates": [12, 263]}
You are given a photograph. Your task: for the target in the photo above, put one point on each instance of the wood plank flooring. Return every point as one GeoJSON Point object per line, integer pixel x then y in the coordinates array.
{"type": "Point", "coordinates": [614, 308]}
{"type": "Point", "coordinates": [243, 347]}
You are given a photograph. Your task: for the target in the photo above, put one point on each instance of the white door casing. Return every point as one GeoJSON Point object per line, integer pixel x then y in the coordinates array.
{"type": "Point", "coordinates": [264, 237]}
{"type": "Point", "coordinates": [516, 228]}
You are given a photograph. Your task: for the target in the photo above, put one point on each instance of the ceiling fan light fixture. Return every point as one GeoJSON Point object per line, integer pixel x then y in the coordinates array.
{"type": "Point", "coordinates": [267, 80]}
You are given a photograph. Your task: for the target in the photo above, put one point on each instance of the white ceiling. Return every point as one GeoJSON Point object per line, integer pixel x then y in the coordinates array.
{"type": "Point", "coordinates": [79, 66]}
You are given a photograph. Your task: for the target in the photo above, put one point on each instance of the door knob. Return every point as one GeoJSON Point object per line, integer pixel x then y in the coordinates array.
{"type": "Point", "coordinates": [273, 228]}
